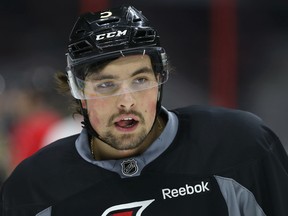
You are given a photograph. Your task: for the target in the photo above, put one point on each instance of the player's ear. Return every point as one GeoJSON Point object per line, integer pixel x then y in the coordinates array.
{"type": "Point", "coordinates": [84, 104]}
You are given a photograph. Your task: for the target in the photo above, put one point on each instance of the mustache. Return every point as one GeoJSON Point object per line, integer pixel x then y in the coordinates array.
{"type": "Point", "coordinates": [123, 112]}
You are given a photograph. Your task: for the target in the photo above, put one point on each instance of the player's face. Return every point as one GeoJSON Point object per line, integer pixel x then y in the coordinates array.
{"type": "Point", "coordinates": [124, 119]}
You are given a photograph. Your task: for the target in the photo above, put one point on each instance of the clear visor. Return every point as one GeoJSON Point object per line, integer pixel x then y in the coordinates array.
{"type": "Point", "coordinates": [87, 85]}
{"type": "Point", "coordinates": [93, 89]}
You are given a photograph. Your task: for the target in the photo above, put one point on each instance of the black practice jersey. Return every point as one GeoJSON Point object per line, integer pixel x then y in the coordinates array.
{"type": "Point", "coordinates": [219, 162]}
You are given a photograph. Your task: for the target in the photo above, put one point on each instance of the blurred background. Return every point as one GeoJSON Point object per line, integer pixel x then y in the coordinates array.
{"type": "Point", "coordinates": [231, 53]}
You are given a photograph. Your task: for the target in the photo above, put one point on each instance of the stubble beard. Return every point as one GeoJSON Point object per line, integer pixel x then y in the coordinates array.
{"type": "Point", "coordinates": [125, 141]}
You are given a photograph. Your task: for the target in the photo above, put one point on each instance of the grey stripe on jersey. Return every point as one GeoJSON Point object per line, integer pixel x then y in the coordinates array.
{"type": "Point", "coordinates": [45, 212]}
{"type": "Point", "coordinates": [240, 201]}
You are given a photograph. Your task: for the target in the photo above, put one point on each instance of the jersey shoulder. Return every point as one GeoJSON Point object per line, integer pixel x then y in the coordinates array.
{"type": "Point", "coordinates": [220, 121]}
{"type": "Point", "coordinates": [218, 114]}
{"type": "Point", "coordinates": [221, 134]}
{"type": "Point", "coordinates": [44, 162]}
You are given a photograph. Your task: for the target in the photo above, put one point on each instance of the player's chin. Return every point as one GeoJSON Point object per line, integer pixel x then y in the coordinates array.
{"type": "Point", "coordinates": [130, 142]}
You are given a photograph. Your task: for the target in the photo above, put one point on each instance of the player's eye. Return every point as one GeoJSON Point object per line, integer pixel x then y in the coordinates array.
{"type": "Point", "coordinates": [141, 80]}
{"type": "Point", "coordinates": [105, 87]}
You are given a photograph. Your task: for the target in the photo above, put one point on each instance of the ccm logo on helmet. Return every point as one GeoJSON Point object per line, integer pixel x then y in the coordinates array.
{"type": "Point", "coordinates": [113, 34]}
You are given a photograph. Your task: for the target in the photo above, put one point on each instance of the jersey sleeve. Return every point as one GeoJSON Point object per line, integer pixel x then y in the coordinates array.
{"type": "Point", "coordinates": [275, 173]}
{"type": "Point", "coordinates": [267, 177]}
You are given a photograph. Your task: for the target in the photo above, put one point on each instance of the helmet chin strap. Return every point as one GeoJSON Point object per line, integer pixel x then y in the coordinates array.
{"type": "Point", "coordinates": [87, 125]}
{"type": "Point", "coordinates": [93, 133]}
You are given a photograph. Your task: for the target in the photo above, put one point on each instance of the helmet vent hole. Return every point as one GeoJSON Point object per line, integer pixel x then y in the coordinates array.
{"type": "Point", "coordinates": [144, 36]}
{"type": "Point", "coordinates": [140, 34]}
{"type": "Point", "coordinates": [80, 31]}
{"type": "Point", "coordinates": [82, 46]}
{"type": "Point", "coordinates": [108, 21]}
{"type": "Point", "coordinates": [136, 19]}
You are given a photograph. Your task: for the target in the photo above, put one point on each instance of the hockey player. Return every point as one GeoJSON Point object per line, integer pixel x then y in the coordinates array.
{"type": "Point", "coordinates": [133, 156]}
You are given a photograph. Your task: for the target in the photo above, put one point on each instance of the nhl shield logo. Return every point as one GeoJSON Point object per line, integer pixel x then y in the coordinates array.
{"type": "Point", "coordinates": [129, 167]}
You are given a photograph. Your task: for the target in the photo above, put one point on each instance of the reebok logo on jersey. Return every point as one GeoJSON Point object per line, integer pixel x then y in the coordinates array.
{"type": "Point", "coordinates": [168, 193]}
{"type": "Point", "coordinates": [128, 209]}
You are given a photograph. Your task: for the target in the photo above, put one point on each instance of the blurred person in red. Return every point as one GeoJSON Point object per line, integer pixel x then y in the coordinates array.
{"type": "Point", "coordinates": [33, 119]}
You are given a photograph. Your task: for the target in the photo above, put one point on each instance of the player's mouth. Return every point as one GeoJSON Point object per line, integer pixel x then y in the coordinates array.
{"type": "Point", "coordinates": [126, 124]}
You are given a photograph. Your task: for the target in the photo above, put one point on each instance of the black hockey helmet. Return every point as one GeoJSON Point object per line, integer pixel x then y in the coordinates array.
{"type": "Point", "coordinates": [101, 36]}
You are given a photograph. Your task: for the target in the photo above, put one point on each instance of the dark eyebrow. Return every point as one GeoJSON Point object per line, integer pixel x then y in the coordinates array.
{"type": "Point", "coordinates": [103, 77]}
{"type": "Point", "coordinates": [99, 76]}
{"type": "Point", "coordinates": [142, 70]}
